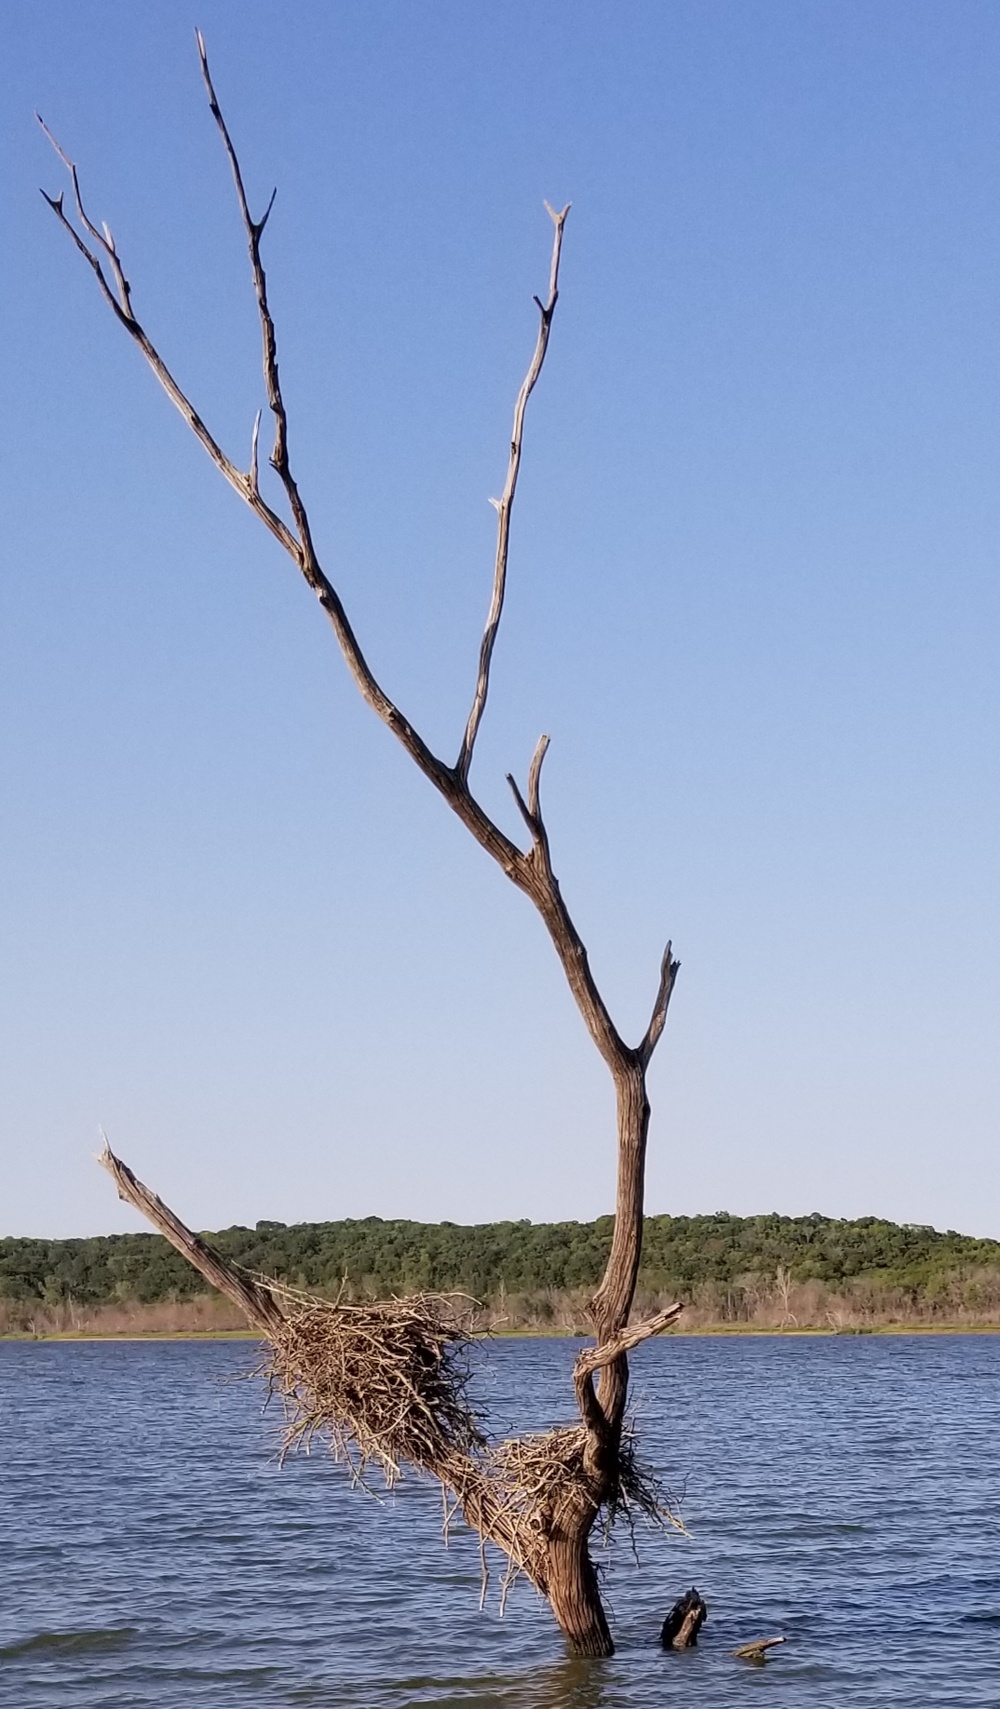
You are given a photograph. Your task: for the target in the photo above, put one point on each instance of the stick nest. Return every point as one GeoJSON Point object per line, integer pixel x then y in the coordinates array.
{"type": "Point", "coordinates": [385, 1384]}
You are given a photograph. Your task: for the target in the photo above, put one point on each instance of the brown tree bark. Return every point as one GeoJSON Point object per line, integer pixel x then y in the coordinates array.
{"type": "Point", "coordinates": [573, 1591]}
{"type": "Point", "coordinates": [570, 1580]}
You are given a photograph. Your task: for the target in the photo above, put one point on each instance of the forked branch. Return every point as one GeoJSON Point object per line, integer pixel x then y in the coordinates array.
{"type": "Point", "coordinates": [531, 810]}
{"type": "Point", "coordinates": [598, 1358]}
{"type": "Point", "coordinates": [254, 232]}
{"type": "Point", "coordinates": [529, 872]}
{"type": "Point", "coordinates": [103, 239]}
{"type": "Point", "coordinates": [121, 307]}
{"type": "Point", "coordinates": [298, 543]}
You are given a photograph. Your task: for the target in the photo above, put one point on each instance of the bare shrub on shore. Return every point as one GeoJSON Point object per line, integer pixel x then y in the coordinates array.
{"type": "Point", "coordinates": [968, 1298]}
{"type": "Point", "coordinates": [202, 1314]}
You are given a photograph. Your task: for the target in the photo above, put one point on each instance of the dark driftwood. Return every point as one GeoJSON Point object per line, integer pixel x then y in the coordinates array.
{"type": "Point", "coordinates": [570, 1582]}
{"type": "Point", "coordinates": [756, 1653]}
{"type": "Point", "coordinates": [686, 1618]}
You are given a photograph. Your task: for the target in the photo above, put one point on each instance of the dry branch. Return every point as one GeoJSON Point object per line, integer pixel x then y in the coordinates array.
{"type": "Point", "coordinates": [451, 782]}
{"type": "Point", "coordinates": [505, 504]}
{"type": "Point", "coordinates": [256, 1301]}
{"type": "Point", "coordinates": [669, 969]}
{"type": "Point", "coordinates": [594, 1358]}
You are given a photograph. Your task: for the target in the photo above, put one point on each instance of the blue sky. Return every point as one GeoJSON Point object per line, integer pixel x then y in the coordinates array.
{"type": "Point", "coordinates": [754, 598]}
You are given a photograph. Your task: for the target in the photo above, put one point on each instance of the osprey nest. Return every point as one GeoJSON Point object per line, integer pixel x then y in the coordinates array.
{"type": "Point", "coordinates": [385, 1385]}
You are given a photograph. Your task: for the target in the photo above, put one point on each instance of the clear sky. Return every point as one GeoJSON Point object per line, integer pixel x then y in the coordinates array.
{"type": "Point", "coordinates": [754, 598]}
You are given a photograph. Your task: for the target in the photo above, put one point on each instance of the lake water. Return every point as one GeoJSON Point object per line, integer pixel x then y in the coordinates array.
{"type": "Point", "coordinates": [844, 1492]}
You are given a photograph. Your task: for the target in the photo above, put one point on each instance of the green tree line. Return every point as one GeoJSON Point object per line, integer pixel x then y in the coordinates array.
{"type": "Point", "coordinates": [376, 1257]}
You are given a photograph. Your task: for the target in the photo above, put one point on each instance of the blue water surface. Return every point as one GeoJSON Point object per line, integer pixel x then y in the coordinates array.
{"type": "Point", "coordinates": [843, 1492]}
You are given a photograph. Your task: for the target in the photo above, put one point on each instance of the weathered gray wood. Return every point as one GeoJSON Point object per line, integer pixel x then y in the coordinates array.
{"type": "Point", "coordinates": [258, 1303]}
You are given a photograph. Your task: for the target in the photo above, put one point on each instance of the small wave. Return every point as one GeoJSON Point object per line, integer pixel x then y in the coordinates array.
{"type": "Point", "coordinates": [94, 1638]}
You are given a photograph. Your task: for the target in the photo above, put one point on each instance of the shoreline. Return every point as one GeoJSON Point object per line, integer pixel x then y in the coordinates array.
{"type": "Point", "coordinates": [709, 1332]}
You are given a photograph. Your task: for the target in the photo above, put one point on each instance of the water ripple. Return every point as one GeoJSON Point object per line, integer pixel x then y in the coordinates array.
{"type": "Point", "coordinates": [844, 1492]}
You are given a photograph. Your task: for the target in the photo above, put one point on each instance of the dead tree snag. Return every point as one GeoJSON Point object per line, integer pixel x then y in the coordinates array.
{"type": "Point", "coordinates": [537, 1498]}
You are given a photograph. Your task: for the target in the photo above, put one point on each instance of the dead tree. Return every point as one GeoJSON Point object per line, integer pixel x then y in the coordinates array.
{"type": "Point", "coordinates": [593, 1467]}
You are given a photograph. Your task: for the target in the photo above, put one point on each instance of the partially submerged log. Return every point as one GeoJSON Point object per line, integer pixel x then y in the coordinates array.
{"type": "Point", "coordinates": [686, 1618]}
{"type": "Point", "coordinates": [756, 1653]}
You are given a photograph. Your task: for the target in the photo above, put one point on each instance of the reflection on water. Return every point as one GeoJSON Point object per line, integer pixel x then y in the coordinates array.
{"type": "Point", "coordinates": [844, 1492]}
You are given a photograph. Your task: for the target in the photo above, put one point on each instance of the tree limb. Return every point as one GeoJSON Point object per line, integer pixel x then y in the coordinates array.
{"type": "Point", "coordinates": [535, 778]}
{"type": "Point", "coordinates": [504, 505]}
{"type": "Point", "coordinates": [594, 1358]}
{"type": "Point", "coordinates": [532, 876]}
{"type": "Point", "coordinates": [602, 1423]}
{"type": "Point", "coordinates": [258, 1303]}
{"type": "Point", "coordinates": [669, 969]}
{"type": "Point", "coordinates": [104, 240]}
{"type": "Point", "coordinates": [757, 1651]}
{"type": "Point", "coordinates": [300, 549]}
{"type": "Point", "coordinates": [530, 810]}
{"type": "Point", "coordinates": [245, 485]}
{"type": "Point", "coordinates": [254, 231]}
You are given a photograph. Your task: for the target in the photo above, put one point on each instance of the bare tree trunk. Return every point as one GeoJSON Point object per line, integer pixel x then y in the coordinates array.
{"type": "Point", "coordinates": [572, 1588]}
{"type": "Point", "coordinates": [573, 1592]}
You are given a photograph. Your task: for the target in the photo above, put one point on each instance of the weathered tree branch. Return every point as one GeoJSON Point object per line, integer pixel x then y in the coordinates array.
{"type": "Point", "coordinates": [532, 876]}
{"type": "Point", "coordinates": [594, 1358]}
{"type": "Point", "coordinates": [245, 485]}
{"type": "Point", "coordinates": [530, 810]}
{"type": "Point", "coordinates": [601, 1423]}
{"type": "Point", "coordinates": [505, 504]}
{"type": "Point", "coordinates": [256, 1302]}
{"type": "Point", "coordinates": [757, 1651]}
{"type": "Point", "coordinates": [104, 240]}
{"type": "Point", "coordinates": [299, 549]}
{"type": "Point", "coordinates": [658, 1019]}
{"type": "Point", "coordinates": [254, 231]}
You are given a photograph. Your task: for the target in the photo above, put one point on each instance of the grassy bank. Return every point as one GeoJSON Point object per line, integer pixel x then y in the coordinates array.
{"type": "Point", "coordinates": [819, 1312]}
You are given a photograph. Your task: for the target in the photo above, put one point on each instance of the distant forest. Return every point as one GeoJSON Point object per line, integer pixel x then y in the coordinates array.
{"type": "Point", "coordinates": [763, 1271]}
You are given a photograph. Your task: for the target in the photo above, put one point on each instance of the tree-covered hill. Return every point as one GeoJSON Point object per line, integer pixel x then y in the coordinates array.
{"type": "Point", "coordinates": [717, 1258]}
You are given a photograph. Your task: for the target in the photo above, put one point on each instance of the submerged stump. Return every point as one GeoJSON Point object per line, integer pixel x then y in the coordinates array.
{"type": "Point", "coordinates": [686, 1618]}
